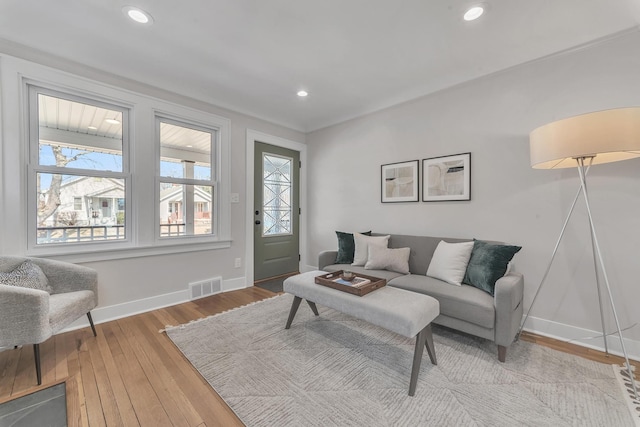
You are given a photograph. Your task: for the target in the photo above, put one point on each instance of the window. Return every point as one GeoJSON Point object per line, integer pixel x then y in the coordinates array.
{"type": "Point", "coordinates": [112, 173]}
{"type": "Point", "coordinates": [187, 185]}
{"type": "Point", "coordinates": [78, 168]}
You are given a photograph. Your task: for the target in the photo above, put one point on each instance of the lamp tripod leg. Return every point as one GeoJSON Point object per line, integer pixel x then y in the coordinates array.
{"type": "Point", "coordinates": [553, 256]}
{"type": "Point", "coordinates": [598, 286]}
{"type": "Point", "coordinates": [604, 274]}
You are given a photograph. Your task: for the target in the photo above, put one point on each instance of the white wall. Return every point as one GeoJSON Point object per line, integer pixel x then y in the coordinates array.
{"type": "Point", "coordinates": [491, 118]}
{"type": "Point", "coordinates": [150, 280]}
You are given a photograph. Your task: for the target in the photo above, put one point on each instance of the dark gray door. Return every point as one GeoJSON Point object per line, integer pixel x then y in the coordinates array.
{"type": "Point", "coordinates": [276, 211]}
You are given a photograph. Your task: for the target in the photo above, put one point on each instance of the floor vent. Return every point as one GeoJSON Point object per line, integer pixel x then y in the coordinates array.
{"type": "Point", "coordinates": [205, 288]}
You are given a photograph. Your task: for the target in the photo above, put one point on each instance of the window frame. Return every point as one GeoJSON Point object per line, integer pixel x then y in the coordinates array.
{"type": "Point", "coordinates": [141, 240]}
{"type": "Point", "coordinates": [214, 180]}
{"type": "Point", "coordinates": [33, 90]}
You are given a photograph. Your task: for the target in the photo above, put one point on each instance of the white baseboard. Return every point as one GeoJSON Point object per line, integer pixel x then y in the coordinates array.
{"type": "Point", "coordinates": [234, 284]}
{"type": "Point", "coordinates": [118, 311]}
{"type": "Point", "coordinates": [583, 337]}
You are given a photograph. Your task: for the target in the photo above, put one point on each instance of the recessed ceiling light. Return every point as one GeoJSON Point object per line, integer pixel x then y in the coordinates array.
{"type": "Point", "coordinates": [473, 13]}
{"type": "Point", "coordinates": [302, 93]}
{"type": "Point", "coordinates": [138, 15]}
{"type": "Point", "coordinates": [92, 128]}
{"type": "Point", "coordinates": [112, 121]}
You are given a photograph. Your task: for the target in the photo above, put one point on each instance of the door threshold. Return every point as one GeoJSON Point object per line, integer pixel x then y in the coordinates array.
{"type": "Point", "coordinates": [281, 276]}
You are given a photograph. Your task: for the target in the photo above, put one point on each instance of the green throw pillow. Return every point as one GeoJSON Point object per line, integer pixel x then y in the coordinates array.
{"type": "Point", "coordinates": [346, 247]}
{"type": "Point", "coordinates": [487, 264]}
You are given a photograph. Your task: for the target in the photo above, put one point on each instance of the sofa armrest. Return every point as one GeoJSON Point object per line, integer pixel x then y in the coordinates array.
{"type": "Point", "coordinates": [67, 277]}
{"type": "Point", "coordinates": [326, 258]}
{"type": "Point", "coordinates": [508, 296]}
{"type": "Point", "coordinates": [24, 316]}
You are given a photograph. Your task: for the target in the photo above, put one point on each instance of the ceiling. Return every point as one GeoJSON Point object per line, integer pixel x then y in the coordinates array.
{"type": "Point", "coordinates": [353, 57]}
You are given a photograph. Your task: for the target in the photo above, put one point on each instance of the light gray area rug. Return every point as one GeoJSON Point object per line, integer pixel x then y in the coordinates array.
{"type": "Point", "coordinates": [334, 370]}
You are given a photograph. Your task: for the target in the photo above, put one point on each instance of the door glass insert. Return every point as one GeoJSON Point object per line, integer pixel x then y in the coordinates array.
{"type": "Point", "coordinates": [276, 199]}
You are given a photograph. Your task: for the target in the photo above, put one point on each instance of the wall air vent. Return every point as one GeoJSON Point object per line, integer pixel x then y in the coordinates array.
{"type": "Point", "coordinates": [205, 288]}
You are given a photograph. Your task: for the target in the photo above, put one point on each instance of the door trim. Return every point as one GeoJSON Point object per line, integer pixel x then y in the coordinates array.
{"type": "Point", "coordinates": [252, 137]}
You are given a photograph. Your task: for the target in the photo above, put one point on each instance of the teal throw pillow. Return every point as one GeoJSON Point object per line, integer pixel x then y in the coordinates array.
{"type": "Point", "coordinates": [346, 247]}
{"type": "Point", "coordinates": [487, 264]}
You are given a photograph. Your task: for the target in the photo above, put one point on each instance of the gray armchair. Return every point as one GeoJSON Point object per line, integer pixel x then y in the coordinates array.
{"type": "Point", "coordinates": [31, 316]}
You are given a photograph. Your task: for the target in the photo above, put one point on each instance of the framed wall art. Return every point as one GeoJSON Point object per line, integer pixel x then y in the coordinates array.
{"type": "Point", "coordinates": [446, 178]}
{"type": "Point", "coordinates": [399, 182]}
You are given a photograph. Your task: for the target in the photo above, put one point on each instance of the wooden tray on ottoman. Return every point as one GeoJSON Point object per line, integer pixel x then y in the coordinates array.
{"type": "Point", "coordinates": [359, 290]}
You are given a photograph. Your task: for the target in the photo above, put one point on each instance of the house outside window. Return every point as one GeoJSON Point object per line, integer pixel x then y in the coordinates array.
{"type": "Point", "coordinates": [77, 203]}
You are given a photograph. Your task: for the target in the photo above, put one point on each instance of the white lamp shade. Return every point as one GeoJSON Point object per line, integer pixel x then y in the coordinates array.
{"type": "Point", "coordinates": [607, 136]}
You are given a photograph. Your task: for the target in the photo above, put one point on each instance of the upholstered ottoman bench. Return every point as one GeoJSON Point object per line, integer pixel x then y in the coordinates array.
{"type": "Point", "coordinates": [403, 312]}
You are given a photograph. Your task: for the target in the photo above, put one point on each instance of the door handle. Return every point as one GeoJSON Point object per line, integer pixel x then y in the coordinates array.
{"type": "Point", "coordinates": [257, 222]}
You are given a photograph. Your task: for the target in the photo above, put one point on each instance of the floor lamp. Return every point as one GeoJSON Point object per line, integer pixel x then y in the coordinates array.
{"type": "Point", "coordinates": [583, 141]}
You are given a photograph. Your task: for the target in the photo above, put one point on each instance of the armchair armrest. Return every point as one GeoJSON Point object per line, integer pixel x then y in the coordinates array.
{"type": "Point", "coordinates": [326, 258]}
{"type": "Point", "coordinates": [67, 277]}
{"type": "Point", "coordinates": [508, 296]}
{"type": "Point", "coordinates": [24, 316]}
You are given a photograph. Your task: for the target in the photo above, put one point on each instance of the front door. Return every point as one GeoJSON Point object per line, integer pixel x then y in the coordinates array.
{"type": "Point", "coordinates": [276, 211]}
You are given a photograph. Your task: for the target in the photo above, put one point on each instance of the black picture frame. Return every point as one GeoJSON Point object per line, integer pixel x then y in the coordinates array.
{"type": "Point", "coordinates": [446, 178]}
{"type": "Point", "coordinates": [400, 182]}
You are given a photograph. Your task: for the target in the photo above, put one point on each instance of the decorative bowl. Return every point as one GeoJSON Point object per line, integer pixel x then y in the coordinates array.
{"type": "Point", "coordinates": [348, 275]}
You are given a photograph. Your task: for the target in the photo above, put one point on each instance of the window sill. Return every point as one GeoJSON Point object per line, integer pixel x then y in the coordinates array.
{"type": "Point", "coordinates": [130, 252]}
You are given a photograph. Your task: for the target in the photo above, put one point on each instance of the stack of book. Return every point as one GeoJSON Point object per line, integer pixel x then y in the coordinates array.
{"type": "Point", "coordinates": [356, 282]}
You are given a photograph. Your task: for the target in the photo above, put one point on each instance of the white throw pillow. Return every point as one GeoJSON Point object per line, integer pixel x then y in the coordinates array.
{"type": "Point", "coordinates": [26, 275]}
{"type": "Point", "coordinates": [449, 262]}
{"type": "Point", "coordinates": [381, 258]}
{"type": "Point", "coordinates": [362, 243]}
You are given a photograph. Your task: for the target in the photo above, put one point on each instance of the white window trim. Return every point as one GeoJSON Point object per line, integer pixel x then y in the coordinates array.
{"type": "Point", "coordinates": [214, 182]}
{"type": "Point", "coordinates": [16, 74]}
{"type": "Point", "coordinates": [32, 90]}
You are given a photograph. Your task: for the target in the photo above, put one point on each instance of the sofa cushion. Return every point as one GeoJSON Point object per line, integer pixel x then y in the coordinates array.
{"type": "Point", "coordinates": [422, 249]}
{"type": "Point", "coordinates": [26, 275]}
{"type": "Point", "coordinates": [346, 247]}
{"type": "Point", "coordinates": [388, 259]}
{"type": "Point", "coordinates": [382, 274]}
{"type": "Point", "coordinates": [487, 264]}
{"type": "Point", "coordinates": [461, 302]}
{"type": "Point", "coordinates": [362, 242]}
{"type": "Point", "coordinates": [449, 262]}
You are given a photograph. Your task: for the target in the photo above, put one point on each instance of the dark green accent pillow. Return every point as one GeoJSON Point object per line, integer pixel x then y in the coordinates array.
{"type": "Point", "coordinates": [346, 247]}
{"type": "Point", "coordinates": [487, 264]}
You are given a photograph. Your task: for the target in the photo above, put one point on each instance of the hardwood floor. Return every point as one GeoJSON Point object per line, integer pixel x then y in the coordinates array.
{"type": "Point", "coordinates": [132, 375]}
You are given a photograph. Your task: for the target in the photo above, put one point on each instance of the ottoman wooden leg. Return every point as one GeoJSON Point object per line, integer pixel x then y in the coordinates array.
{"type": "Point", "coordinates": [417, 358]}
{"type": "Point", "coordinates": [313, 307]}
{"type": "Point", "coordinates": [292, 312]}
{"type": "Point", "coordinates": [431, 350]}
{"type": "Point", "coordinates": [423, 339]}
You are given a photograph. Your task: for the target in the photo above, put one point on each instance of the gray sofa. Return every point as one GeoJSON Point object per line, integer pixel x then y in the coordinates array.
{"type": "Point", "coordinates": [465, 308]}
